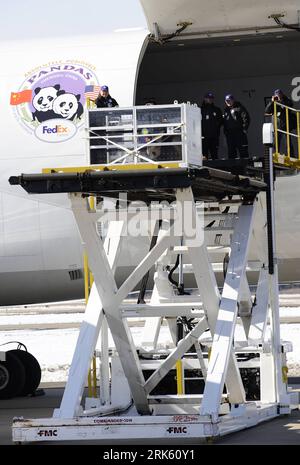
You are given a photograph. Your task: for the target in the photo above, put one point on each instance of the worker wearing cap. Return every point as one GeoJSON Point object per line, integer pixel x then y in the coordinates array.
{"type": "Point", "coordinates": [211, 123]}
{"type": "Point", "coordinates": [279, 96]}
{"type": "Point", "coordinates": [236, 123]}
{"type": "Point", "coordinates": [104, 100]}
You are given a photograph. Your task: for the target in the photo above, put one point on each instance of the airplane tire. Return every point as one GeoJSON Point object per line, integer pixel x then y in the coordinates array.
{"type": "Point", "coordinates": [33, 371]}
{"type": "Point", "coordinates": [12, 376]}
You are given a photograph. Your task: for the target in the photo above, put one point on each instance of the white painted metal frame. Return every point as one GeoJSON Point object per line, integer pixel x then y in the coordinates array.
{"type": "Point", "coordinates": [225, 325]}
{"type": "Point", "coordinates": [207, 285]}
{"type": "Point", "coordinates": [179, 427]}
{"type": "Point", "coordinates": [218, 313]}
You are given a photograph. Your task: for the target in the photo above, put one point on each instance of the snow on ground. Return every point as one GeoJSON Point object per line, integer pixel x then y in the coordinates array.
{"type": "Point", "coordinates": [291, 332]}
{"type": "Point", "coordinates": [40, 319]}
{"type": "Point", "coordinates": [54, 348]}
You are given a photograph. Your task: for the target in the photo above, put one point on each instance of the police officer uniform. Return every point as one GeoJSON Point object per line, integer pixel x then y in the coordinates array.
{"type": "Point", "coordinates": [105, 102]}
{"type": "Point", "coordinates": [211, 123]}
{"type": "Point", "coordinates": [236, 123]}
{"type": "Point", "coordinates": [281, 117]}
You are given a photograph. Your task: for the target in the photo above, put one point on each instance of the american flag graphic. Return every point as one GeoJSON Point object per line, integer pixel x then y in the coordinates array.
{"type": "Point", "coordinates": [91, 92]}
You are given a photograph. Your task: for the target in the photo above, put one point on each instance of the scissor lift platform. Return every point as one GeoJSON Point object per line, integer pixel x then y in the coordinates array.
{"type": "Point", "coordinates": [156, 182]}
{"type": "Point", "coordinates": [203, 202]}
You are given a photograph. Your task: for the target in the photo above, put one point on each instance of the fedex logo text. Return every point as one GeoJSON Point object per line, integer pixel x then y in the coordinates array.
{"type": "Point", "coordinates": [55, 130]}
{"type": "Point", "coordinates": [58, 129]}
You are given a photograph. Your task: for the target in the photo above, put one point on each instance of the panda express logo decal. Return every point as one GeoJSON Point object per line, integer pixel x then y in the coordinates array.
{"type": "Point", "coordinates": [50, 102]}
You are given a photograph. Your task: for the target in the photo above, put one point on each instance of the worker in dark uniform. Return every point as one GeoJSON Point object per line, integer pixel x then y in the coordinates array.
{"type": "Point", "coordinates": [150, 101]}
{"type": "Point", "coordinates": [280, 97]}
{"type": "Point", "coordinates": [104, 100]}
{"type": "Point", "coordinates": [236, 123]}
{"type": "Point", "coordinates": [212, 121]}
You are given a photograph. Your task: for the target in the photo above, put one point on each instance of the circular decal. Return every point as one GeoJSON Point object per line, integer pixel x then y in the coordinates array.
{"type": "Point", "coordinates": [50, 102]}
{"type": "Point", "coordinates": [55, 130]}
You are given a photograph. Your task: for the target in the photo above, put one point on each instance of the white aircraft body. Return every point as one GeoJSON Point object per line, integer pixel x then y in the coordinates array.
{"type": "Point", "coordinates": [181, 50]}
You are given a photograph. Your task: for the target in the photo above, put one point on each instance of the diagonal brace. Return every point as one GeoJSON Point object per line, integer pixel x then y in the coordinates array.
{"type": "Point", "coordinates": [181, 349]}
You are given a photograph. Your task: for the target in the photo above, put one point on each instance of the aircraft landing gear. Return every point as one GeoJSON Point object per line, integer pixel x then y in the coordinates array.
{"type": "Point", "coordinates": [20, 374]}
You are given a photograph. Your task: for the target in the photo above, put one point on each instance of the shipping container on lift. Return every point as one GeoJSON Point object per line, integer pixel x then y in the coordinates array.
{"type": "Point", "coordinates": [151, 134]}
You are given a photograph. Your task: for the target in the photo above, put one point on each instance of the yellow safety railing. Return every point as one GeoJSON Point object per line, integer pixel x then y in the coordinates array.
{"type": "Point", "coordinates": [179, 377]}
{"type": "Point", "coordinates": [92, 374]}
{"type": "Point", "coordinates": [291, 132]}
{"type": "Point", "coordinates": [88, 282]}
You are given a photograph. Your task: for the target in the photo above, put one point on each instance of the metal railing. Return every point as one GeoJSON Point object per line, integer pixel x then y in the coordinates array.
{"type": "Point", "coordinates": [88, 282]}
{"type": "Point", "coordinates": [291, 122]}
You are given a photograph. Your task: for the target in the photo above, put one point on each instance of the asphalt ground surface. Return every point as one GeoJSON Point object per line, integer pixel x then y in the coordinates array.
{"type": "Point", "coordinates": [283, 430]}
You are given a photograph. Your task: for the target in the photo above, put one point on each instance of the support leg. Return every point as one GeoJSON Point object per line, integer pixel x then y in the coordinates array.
{"type": "Point", "coordinates": [87, 339]}
{"type": "Point", "coordinates": [107, 289]}
{"type": "Point", "coordinates": [90, 327]}
{"type": "Point", "coordinates": [224, 330]}
{"type": "Point", "coordinates": [208, 288]}
{"type": "Point", "coordinates": [281, 395]}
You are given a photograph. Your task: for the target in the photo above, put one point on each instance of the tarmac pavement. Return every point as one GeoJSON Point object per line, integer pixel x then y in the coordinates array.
{"type": "Point", "coordinates": [283, 430]}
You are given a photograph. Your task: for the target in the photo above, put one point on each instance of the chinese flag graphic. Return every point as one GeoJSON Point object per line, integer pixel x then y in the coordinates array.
{"type": "Point", "coordinates": [20, 97]}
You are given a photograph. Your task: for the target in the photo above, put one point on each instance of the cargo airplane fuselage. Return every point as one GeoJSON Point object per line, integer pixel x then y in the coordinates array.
{"type": "Point", "coordinates": [178, 51]}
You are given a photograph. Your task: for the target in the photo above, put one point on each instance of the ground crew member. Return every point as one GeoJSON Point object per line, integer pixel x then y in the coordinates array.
{"type": "Point", "coordinates": [104, 100]}
{"type": "Point", "coordinates": [236, 122]}
{"type": "Point", "coordinates": [212, 121]}
{"type": "Point", "coordinates": [150, 101]}
{"type": "Point", "coordinates": [280, 97]}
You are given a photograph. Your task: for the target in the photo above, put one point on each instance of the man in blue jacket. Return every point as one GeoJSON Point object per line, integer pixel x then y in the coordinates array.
{"type": "Point", "coordinates": [104, 100]}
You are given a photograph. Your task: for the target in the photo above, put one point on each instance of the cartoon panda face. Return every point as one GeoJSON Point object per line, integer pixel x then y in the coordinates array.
{"type": "Point", "coordinates": [43, 99]}
{"type": "Point", "coordinates": [66, 105]}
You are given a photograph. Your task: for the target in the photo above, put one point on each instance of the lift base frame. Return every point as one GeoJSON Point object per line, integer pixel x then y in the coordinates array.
{"type": "Point", "coordinates": [131, 428]}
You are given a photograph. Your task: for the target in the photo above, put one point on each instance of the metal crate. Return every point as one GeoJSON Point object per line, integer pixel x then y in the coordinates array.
{"type": "Point", "coordinates": [145, 134]}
